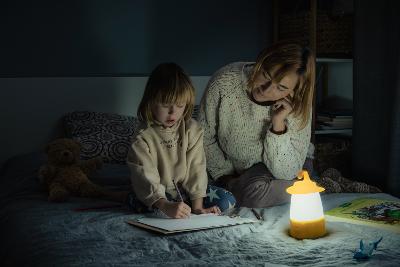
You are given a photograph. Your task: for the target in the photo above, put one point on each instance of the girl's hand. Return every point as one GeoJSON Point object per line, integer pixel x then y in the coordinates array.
{"type": "Point", "coordinates": [213, 209]}
{"type": "Point", "coordinates": [280, 111]}
{"type": "Point", "coordinates": [175, 210]}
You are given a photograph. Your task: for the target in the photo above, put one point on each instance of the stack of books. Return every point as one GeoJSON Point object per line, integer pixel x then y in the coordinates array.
{"type": "Point", "coordinates": [334, 121]}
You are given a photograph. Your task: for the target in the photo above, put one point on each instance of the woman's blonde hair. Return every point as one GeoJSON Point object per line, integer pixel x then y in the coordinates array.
{"type": "Point", "coordinates": [169, 84]}
{"type": "Point", "coordinates": [287, 57]}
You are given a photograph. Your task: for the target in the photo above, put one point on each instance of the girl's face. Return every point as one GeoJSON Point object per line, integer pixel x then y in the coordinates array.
{"type": "Point", "coordinates": [168, 114]}
{"type": "Point", "coordinates": [267, 90]}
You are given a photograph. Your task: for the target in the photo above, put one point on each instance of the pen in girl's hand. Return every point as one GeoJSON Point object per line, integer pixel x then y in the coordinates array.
{"type": "Point", "coordinates": [177, 190]}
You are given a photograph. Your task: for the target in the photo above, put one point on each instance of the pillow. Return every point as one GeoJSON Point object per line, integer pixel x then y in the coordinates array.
{"type": "Point", "coordinates": [101, 134]}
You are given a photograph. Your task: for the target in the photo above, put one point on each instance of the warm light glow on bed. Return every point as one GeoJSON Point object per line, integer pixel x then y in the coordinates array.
{"type": "Point", "coordinates": [306, 213]}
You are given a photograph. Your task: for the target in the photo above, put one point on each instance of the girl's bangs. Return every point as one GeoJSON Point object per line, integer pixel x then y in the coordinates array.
{"type": "Point", "coordinates": [177, 95]}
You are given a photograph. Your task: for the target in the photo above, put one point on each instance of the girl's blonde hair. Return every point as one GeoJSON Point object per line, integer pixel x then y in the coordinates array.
{"type": "Point", "coordinates": [169, 84]}
{"type": "Point", "coordinates": [287, 57]}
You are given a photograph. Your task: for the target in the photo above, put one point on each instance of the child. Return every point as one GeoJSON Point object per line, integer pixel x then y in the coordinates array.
{"type": "Point", "coordinates": [170, 148]}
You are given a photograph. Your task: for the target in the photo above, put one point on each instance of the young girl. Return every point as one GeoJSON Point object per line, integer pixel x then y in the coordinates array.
{"type": "Point", "coordinates": [169, 149]}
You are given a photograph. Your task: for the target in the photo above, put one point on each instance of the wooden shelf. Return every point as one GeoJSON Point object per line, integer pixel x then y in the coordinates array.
{"type": "Point", "coordinates": [334, 60]}
{"type": "Point", "coordinates": [335, 131]}
{"type": "Point", "coordinates": [304, 21]}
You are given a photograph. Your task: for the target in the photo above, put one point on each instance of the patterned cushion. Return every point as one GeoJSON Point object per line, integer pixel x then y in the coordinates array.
{"type": "Point", "coordinates": [101, 134]}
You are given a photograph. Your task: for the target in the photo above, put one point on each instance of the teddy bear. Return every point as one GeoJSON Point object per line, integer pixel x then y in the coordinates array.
{"type": "Point", "coordinates": [65, 174]}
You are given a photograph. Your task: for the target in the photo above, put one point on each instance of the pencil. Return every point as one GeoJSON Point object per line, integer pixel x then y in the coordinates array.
{"type": "Point", "coordinates": [177, 190]}
{"type": "Point", "coordinates": [256, 214]}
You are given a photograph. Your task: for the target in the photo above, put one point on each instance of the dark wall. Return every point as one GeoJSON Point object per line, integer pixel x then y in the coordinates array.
{"type": "Point", "coordinates": [129, 37]}
{"type": "Point", "coordinates": [376, 92]}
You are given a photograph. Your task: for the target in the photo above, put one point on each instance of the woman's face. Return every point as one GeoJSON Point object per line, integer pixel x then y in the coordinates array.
{"type": "Point", "coordinates": [267, 90]}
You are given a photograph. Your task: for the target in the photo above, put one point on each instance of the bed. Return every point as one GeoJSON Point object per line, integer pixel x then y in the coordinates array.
{"type": "Point", "coordinates": [35, 232]}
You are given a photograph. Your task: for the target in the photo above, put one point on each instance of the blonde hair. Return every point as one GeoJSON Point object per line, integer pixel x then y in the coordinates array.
{"type": "Point", "coordinates": [168, 83]}
{"type": "Point", "coordinates": [287, 57]}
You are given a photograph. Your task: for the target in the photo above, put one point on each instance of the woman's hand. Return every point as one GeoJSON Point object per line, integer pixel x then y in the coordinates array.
{"type": "Point", "coordinates": [280, 111]}
{"type": "Point", "coordinates": [175, 210]}
{"type": "Point", "coordinates": [213, 209]}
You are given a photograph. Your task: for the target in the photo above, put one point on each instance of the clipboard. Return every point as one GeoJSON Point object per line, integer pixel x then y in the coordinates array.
{"type": "Point", "coordinates": [194, 223]}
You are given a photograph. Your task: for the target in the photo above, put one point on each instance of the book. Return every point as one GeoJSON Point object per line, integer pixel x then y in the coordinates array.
{"type": "Point", "coordinates": [333, 122]}
{"type": "Point", "coordinates": [384, 214]}
{"type": "Point", "coordinates": [335, 112]}
{"type": "Point", "coordinates": [336, 125]}
{"type": "Point", "coordinates": [326, 118]}
{"type": "Point", "coordinates": [194, 223]}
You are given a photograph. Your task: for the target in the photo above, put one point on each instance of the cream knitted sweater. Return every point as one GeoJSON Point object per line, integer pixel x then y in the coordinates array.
{"type": "Point", "coordinates": [236, 130]}
{"type": "Point", "coordinates": [158, 155]}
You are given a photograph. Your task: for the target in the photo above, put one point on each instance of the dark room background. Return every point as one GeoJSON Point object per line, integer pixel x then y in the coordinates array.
{"type": "Point", "coordinates": [128, 37]}
{"type": "Point", "coordinates": [376, 134]}
{"type": "Point", "coordinates": [61, 56]}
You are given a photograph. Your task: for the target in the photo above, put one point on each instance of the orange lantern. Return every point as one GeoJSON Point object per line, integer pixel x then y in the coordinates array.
{"type": "Point", "coordinates": [306, 213]}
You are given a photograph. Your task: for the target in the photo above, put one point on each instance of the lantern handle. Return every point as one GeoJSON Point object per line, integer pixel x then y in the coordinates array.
{"type": "Point", "coordinates": [305, 185]}
{"type": "Point", "coordinates": [303, 174]}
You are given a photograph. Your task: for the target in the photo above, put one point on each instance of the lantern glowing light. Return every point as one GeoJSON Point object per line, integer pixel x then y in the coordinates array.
{"type": "Point", "coordinates": [306, 213]}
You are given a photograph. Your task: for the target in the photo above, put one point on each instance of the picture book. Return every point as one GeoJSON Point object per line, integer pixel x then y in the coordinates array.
{"type": "Point", "coordinates": [379, 213]}
{"type": "Point", "coordinates": [194, 223]}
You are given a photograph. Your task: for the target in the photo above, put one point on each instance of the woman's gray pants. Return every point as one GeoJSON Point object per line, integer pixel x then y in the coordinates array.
{"type": "Point", "coordinates": [257, 188]}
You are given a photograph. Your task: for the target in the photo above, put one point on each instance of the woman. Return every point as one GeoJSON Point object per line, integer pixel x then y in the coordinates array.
{"type": "Point", "coordinates": [257, 123]}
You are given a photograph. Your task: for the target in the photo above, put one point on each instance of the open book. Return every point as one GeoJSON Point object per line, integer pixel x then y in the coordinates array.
{"type": "Point", "coordinates": [194, 223]}
{"type": "Point", "coordinates": [384, 214]}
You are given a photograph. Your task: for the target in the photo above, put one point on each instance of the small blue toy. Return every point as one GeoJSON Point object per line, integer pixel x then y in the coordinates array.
{"type": "Point", "coordinates": [365, 251]}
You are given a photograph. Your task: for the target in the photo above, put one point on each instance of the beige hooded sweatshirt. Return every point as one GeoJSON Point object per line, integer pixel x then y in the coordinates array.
{"type": "Point", "coordinates": [158, 155]}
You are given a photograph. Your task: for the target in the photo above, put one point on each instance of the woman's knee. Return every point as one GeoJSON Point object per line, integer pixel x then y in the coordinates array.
{"type": "Point", "coordinates": [263, 192]}
{"type": "Point", "coordinates": [252, 193]}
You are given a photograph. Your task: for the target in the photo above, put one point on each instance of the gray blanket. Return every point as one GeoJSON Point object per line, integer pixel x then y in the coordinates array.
{"type": "Point", "coordinates": [35, 232]}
